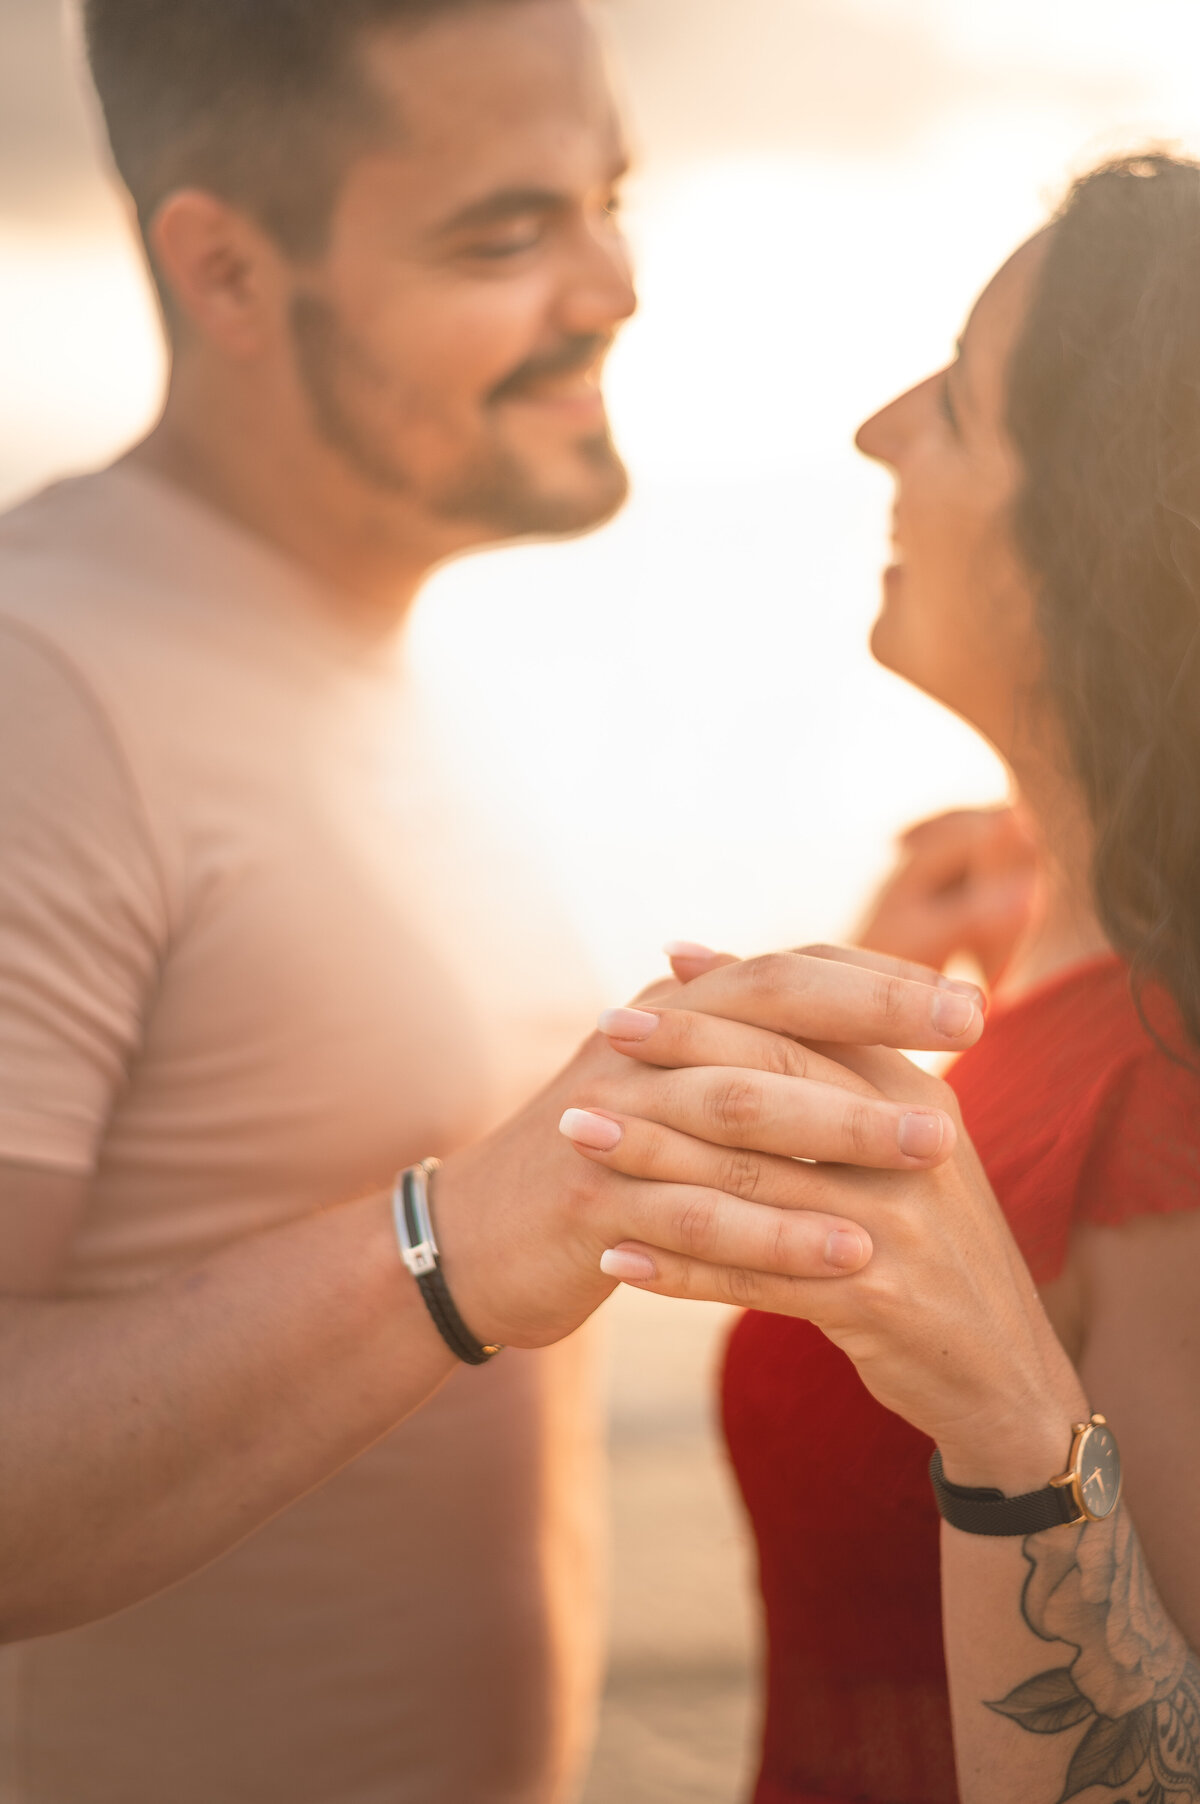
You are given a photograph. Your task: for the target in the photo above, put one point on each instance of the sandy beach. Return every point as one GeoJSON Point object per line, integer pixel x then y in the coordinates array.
{"type": "Point", "coordinates": [680, 1706]}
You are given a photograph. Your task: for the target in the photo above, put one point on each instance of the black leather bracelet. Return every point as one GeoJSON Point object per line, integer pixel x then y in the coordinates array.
{"type": "Point", "coordinates": [983, 1511]}
{"type": "Point", "coordinates": [419, 1251]}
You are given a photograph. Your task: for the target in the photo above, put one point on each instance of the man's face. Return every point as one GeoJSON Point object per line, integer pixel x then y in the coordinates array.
{"type": "Point", "coordinates": [450, 341]}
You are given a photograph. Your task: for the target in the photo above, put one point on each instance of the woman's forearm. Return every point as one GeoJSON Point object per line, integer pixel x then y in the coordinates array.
{"type": "Point", "coordinates": [1067, 1677]}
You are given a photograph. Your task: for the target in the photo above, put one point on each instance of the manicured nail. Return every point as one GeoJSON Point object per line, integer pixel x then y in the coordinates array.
{"type": "Point", "coordinates": [630, 1268]}
{"type": "Point", "coordinates": [687, 949]}
{"type": "Point", "coordinates": [921, 1135]}
{"type": "Point", "coordinates": [953, 1015]}
{"type": "Point", "coordinates": [586, 1129]}
{"type": "Point", "coordinates": [844, 1250]}
{"type": "Point", "coordinates": [628, 1023]}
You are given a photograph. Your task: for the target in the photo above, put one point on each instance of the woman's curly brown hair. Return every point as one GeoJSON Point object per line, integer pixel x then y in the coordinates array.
{"type": "Point", "coordinates": [1104, 410]}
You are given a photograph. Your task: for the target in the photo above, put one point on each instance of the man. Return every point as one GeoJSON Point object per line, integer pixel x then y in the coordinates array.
{"type": "Point", "coordinates": [250, 965]}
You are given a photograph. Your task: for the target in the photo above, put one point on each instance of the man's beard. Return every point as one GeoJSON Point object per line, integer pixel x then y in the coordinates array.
{"type": "Point", "coordinates": [493, 490]}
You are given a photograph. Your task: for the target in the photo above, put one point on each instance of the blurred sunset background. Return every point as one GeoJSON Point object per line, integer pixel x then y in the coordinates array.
{"type": "Point", "coordinates": [681, 711]}
{"type": "Point", "coordinates": [683, 708]}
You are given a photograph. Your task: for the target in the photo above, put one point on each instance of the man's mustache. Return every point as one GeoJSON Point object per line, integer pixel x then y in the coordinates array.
{"type": "Point", "coordinates": [571, 358]}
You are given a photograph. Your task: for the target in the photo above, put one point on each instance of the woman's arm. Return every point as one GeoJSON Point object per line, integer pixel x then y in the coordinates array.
{"type": "Point", "coordinates": [1072, 1654]}
{"type": "Point", "coordinates": [963, 885]}
{"type": "Point", "coordinates": [1068, 1679]}
{"type": "Point", "coordinates": [946, 1328]}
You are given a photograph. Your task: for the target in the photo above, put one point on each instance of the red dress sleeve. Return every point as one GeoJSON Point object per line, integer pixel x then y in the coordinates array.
{"type": "Point", "coordinates": [1145, 1157]}
{"type": "Point", "coordinates": [1079, 1113]}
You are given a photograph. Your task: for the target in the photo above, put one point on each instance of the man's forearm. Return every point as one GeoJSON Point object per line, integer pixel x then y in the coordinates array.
{"type": "Point", "coordinates": [1068, 1679]}
{"type": "Point", "coordinates": [146, 1435]}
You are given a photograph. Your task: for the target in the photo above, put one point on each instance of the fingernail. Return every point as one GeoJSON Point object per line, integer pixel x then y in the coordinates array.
{"type": "Point", "coordinates": [630, 1268]}
{"type": "Point", "coordinates": [953, 1015]}
{"type": "Point", "coordinates": [687, 949]}
{"type": "Point", "coordinates": [844, 1250]}
{"type": "Point", "coordinates": [586, 1129]}
{"type": "Point", "coordinates": [628, 1023]}
{"type": "Point", "coordinates": [961, 987]}
{"type": "Point", "coordinates": [921, 1136]}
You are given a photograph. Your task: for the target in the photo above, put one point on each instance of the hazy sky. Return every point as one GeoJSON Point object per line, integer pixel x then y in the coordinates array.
{"type": "Point", "coordinates": [833, 77]}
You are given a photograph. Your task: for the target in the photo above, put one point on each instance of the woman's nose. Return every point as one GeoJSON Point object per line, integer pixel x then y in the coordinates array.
{"type": "Point", "coordinates": [886, 434]}
{"type": "Point", "coordinates": [873, 438]}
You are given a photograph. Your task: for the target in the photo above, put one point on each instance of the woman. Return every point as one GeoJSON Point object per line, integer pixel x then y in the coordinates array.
{"type": "Point", "coordinates": [1047, 587]}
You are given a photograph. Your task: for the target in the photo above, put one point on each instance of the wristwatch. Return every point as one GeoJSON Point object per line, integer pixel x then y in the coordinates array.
{"type": "Point", "coordinates": [1087, 1491]}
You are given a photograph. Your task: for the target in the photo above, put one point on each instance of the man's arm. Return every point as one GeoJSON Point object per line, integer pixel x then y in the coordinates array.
{"type": "Point", "coordinates": [146, 1434]}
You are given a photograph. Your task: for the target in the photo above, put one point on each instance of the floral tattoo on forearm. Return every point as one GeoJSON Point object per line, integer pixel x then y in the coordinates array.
{"type": "Point", "coordinates": [1133, 1680]}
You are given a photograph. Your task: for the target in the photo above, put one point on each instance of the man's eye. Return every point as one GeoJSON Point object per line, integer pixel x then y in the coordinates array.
{"type": "Point", "coordinates": [509, 244]}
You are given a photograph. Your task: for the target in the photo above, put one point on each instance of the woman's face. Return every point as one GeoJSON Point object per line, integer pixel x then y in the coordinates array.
{"type": "Point", "coordinates": [958, 617]}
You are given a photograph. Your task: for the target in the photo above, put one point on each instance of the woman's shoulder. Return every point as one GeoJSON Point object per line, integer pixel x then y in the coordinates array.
{"type": "Point", "coordinates": [1144, 1149]}
{"type": "Point", "coordinates": [1084, 1106]}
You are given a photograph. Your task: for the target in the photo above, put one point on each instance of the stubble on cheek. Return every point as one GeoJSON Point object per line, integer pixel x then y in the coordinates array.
{"type": "Point", "coordinates": [360, 411]}
{"type": "Point", "coordinates": [347, 393]}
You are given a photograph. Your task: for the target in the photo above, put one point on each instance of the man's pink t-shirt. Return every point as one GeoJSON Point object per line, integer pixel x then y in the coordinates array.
{"type": "Point", "coordinates": [256, 954]}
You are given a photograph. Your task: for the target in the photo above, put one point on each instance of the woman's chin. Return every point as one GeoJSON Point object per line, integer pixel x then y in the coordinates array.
{"type": "Point", "coordinates": [884, 647]}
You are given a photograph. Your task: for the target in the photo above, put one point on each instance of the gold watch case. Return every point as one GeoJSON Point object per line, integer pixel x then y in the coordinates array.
{"type": "Point", "coordinates": [1093, 1476]}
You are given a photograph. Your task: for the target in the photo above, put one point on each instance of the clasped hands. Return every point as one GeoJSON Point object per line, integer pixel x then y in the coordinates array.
{"type": "Point", "coordinates": [814, 1171]}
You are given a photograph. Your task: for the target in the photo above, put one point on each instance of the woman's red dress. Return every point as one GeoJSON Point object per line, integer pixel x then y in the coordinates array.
{"type": "Point", "coordinates": [1078, 1116]}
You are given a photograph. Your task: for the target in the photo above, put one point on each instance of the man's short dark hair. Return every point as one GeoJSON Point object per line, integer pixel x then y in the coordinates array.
{"type": "Point", "coordinates": [262, 102]}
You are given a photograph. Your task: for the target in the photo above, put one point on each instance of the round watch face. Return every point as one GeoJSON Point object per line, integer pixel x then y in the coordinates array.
{"type": "Point", "coordinates": [1099, 1472]}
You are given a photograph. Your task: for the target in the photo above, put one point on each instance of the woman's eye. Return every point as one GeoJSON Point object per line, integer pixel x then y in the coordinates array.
{"type": "Point", "coordinates": [946, 405]}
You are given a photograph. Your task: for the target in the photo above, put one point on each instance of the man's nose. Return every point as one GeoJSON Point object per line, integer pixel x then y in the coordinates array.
{"type": "Point", "coordinates": [601, 293]}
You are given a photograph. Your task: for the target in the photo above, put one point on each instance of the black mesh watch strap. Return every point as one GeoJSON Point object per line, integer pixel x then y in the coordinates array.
{"type": "Point", "coordinates": [988, 1512]}
{"type": "Point", "coordinates": [419, 1250]}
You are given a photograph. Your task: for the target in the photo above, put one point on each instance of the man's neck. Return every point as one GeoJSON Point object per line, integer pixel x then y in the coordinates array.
{"type": "Point", "coordinates": [221, 451]}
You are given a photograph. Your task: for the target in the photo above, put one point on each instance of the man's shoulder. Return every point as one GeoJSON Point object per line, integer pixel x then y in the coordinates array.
{"type": "Point", "coordinates": [53, 553]}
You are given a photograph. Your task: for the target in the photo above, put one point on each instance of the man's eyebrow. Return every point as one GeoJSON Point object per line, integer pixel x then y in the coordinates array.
{"type": "Point", "coordinates": [514, 203]}
{"type": "Point", "coordinates": [505, 203]}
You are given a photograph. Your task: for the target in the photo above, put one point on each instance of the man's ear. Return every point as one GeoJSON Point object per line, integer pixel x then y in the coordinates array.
{"type": "Point", "coordinates": [225, 275]}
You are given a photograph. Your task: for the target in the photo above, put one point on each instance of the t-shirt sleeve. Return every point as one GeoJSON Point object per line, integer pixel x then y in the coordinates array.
{"type": "Point", "coordinates": [1145, 1156]}
{"type": "Point", "coordinates": [82, 919]}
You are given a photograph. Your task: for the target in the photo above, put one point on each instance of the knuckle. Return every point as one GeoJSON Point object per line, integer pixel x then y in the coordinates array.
{"type": "Point", "coordinates": [584, 1187]}
{"type": "Point", "coordinates": [787, 1250]}
{"type": "Point", "coordinates": [733, 1105]}
{"type": "Point", "coordinates": [682, 1028]}
{"type": "Point", "coordinates": [766, 975]}
{"type": "Point", "coordinates": [890, 1000]}
{"type": "Point", "coordinates": [881, 1293]}
{"type": "Point", "coordinates": [740, 1287]}
{"type": "Point", "coordinates": [694, 1225]}
{"type": "Point", "coordinates": [860, 1130]}
{"type": "Point", "coordinates": [740, 1174]}
{"type": "Point", "coordinates": [785, 1058]}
